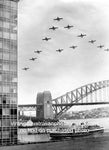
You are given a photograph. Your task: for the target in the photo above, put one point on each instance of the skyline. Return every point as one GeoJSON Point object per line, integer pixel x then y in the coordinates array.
{"type": "Point", "coordinates": [53, 71]}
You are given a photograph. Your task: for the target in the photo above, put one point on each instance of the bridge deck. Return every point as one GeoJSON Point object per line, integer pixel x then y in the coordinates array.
{"type": "Point", "coordinates": [73, 104]}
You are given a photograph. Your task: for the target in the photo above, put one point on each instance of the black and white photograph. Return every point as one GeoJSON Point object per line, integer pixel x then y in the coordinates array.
{"type": "Point", "coordinates": [54, 74]}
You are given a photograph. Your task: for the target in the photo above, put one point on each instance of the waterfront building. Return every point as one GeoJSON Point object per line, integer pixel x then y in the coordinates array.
{"type": "Point", "coordinates": [8, 71]}
{"type": "Point", "coordinates": [44, 105]}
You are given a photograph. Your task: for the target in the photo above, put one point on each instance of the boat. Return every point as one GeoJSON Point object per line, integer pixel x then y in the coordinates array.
{"type": "Point", "coordinates": [76, 132]}
{"type": "Point", "coordinates": [95, 129]}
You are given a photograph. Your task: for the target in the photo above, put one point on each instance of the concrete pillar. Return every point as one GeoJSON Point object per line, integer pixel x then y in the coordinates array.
{"type": "Point", "coordinates": [40, 106]}
{"type": "Point", "coordinates": [48, 111]}
{"type": "Point", "coordinates": [44, 105]}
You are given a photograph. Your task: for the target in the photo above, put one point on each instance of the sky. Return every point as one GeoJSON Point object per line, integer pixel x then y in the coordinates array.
{"type": "Point", "coordinates": [61, 72]}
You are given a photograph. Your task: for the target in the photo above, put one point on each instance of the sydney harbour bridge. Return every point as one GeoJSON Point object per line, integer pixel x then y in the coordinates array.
{"type": "Point", "coordinates": [95, 93]}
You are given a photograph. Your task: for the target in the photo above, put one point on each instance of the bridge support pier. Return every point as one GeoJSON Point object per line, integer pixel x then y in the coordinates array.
{"type": "Point", "coordinates": [44, 105]}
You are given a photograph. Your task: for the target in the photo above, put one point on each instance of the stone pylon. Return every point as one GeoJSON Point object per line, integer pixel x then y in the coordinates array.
{"type": "Point", "coordinates": [44, 105]}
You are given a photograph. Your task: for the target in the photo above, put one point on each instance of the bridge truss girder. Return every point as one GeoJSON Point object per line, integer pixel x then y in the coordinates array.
{"type": "Point", "coordinates": [75, 97]}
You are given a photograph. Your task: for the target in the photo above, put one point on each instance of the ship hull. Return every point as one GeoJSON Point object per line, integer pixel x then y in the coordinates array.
{"type": "Point", "coordinates": [57, 135]}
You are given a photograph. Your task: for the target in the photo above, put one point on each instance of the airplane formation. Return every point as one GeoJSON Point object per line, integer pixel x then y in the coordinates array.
{"type": "Point", "coordinates": [33, 58]}
{"type": "Point", "coordinates": [46, 39]}
{"type": "Point", "coordinates": [58, 19]}
{"type": "Point", "coordinates": [73, 47]}
{"type": "Point", "coordinates": [38, 52]}
{"type": "Point", "coordinates": [69, 26]}
{"type": "Point", "coordinates": [92, 41]}
{"type": "Point", "coordinates": [106, 49]}
{"type": "Point", "coordinates": [59, 50]}
{"type": "Point", "coordinates": [53, 28]}
{"type": "Point", "coordinates": [26, 68]}
{"type": "Point", "coordinates": [100, 46]}
{"type": "Point", "coordinates": [81, 35]}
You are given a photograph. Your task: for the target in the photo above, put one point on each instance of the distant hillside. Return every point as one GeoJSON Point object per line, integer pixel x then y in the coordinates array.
{"type": "Point", "coordinates": [93, 113]}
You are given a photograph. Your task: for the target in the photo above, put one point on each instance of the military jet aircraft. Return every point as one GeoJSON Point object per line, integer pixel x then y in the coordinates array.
{"type": "Point", "coordinates": [68, 26]}
{"type": "Point", "coordinates": [59, 50]}
{"type": "Point", "coordinates": [100, 46]}
{"type": "Point", "coordinates": [33, 59]}
{"type": "Point", "coordinates": [37, 51]}
{"type": "Point", "coordinates": [73, 47]}
{"type": "Point", "coordinates": [58, 19]}
{"type": "Point", "coordinates": [92, 41]}
{"type": "Point", "coordinates": [26, 68]}
{"type": "Point", "coordinates": [46, 39]}
{"type": "Point", "coordinates": [106, 49]}
{"type": "Point", "coordinates": [53, 28]}
{"type": "Point", "coordinates": [81, 35]}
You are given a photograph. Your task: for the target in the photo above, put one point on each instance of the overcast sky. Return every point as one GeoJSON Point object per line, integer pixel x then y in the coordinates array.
{"type": "Point", "coordinates": [70, 69]}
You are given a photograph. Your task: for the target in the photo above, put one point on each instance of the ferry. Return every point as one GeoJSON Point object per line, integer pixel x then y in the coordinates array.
{"type": "Point", "coordinates": [95, 129]}
{"type": "Point", "coordinates": [76, 132]}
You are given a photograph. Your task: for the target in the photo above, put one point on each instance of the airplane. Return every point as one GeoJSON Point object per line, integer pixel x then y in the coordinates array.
{"type": "Point", "coordinates": [53, 28]}
{"type": "Point", "coordinates": [100, 46]}
{"type": "Point", "coordinates": [92, 41]}
{"type": "Point", "coordinates": [58, 19]}
{"type": "Point", "coordinates": [26, 68]}
{"type": "Point", "coordinates": [46, 39]}
{"type": "Point", "coordinates": [68, 26]}
{"type": "Point", "coordinates": [37, 51]}
{"type": "Point", "coordinates": [73, 47]}
{"type": "Point", "coordinates": [106, 49]}
{"type": "Point", "coordinates": [33, 59]}
{"type": "Point", "coordinates": [81, 35]}
{"type": "Point", "coordinates": [59, 50]}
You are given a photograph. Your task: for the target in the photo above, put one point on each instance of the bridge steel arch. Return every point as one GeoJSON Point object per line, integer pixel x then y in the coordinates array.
{"type": "Point", "coordinates": [63, 103]}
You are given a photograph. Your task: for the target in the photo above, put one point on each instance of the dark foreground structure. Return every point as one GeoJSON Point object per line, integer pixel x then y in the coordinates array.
{"type": "Point", "coordinates": [8, 71]}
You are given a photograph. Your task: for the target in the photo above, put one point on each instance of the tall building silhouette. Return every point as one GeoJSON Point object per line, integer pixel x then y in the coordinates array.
{"type": "Point", "coordinates": [8, 71]}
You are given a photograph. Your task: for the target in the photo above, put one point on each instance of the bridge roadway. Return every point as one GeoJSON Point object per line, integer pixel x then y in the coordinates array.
{"type": "Point", "coordinates": [70, 104]}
